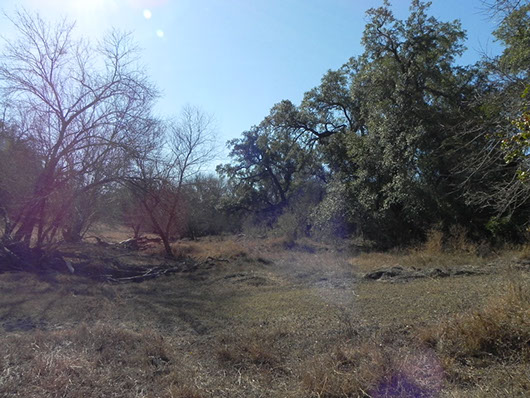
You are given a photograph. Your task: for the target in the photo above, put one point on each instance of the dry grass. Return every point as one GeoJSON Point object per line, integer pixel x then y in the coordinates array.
{"type": "Point", "coordinates": [100, 360]}
{"type": "Point", "coordinates": [524, 253]}
{"type": "Point", "coordinates": [501, 329]}
{"type": "Point", "coordinates": [205, 248]}
{"type": "Point", "coordinates": [370, 369]}
{"type": "Point", "coordinates": [256, 348]}
{"type": "Point", "coordinates": [268, 322]}
{"type": "Point", "coordinates": [110, 234]}
{"type": "Point", "coordinates": [438, 251]}
{"type": "Point", "coordinates": [480, 353]}
{"type": "Point", "coordinates": [415, 258]}
{"type": "Point", "coordinates": [242, 247]}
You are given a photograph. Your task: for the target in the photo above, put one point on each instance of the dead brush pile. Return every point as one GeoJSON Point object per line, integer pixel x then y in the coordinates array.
{"type": "Point", "coordinates": [100, 360]}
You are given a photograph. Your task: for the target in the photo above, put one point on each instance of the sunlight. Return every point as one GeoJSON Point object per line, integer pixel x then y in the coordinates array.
{"type": "Point", "coordinates": [147, 14]}
{"type": "Point", "coordinates": [82, 6]}
{"type": "Point", "coordinates": [147, 3]}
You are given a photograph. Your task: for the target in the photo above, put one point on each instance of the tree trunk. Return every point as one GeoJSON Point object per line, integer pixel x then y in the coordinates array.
{"type": "Point", "coordinates": [167, 246]}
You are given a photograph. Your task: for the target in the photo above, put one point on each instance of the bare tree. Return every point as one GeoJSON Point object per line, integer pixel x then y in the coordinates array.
{"type": "Point", "coordinates": [80, 105]}
{"type": "Point", "coordinates": [162, 174]}
{"type": "Point", "coordinates": [500, 8]}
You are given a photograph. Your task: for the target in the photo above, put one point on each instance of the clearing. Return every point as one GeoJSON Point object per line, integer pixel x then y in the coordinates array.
{"type": "Point", "coordinates": [243, 317]}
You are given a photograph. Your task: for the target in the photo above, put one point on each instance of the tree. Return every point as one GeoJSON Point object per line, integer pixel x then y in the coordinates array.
{"type": "Point", "coordinates": [19, 167]}
{"type": "Point", "coordinates": [386, 129]}
{"type": "Point", "coordinates": [184, 146]}
{"type": "Point", "coordinates": [496, 172]}
{"type": "Point", "coordinates": [203, 195]}
{"type": "Point", "coordinates": [413, 98]}
{"type": "Point", "coordinates": [271, 164]}
{"type": "Point", "coordinates": [80, 105]}
{"type": "Point", "coordinates": [386, 124]}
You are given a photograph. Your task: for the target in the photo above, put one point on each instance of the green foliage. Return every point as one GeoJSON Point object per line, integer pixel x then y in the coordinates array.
{"type": "Point", "coordinates": [329, 218]}
{"type": "Point", "coordinates": [394, 165]}
{"type": "Point", "coordinates": [270, 166]}
{"type": "Point", "coordinates": [403, 137]}
{"type": "Point", "coordinates": [514, 32]}
{"type": "Point", "coordinates": [500, 227]}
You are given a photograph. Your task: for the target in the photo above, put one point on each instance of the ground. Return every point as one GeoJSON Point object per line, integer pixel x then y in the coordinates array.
{"type": "Point", "coordinates": [270, 318]}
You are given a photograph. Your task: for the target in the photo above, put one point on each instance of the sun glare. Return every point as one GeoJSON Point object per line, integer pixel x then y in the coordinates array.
{"type": "Point", "coordinates": [88, 5]}
{"type": "Point", "coordinates": [147, 14]}
{"type": "Point", "coordinates": [160, 33]}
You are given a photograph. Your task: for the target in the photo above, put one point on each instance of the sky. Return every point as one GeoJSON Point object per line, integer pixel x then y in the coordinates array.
{"type": "Point", "coordinates": [236, 58]}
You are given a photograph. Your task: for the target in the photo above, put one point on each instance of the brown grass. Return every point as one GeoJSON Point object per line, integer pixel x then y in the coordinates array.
{"type": "Point", "coordinates": [311, 329]}
{"type": "Point", "coordinates": [184, 392]}
{"type": "Point", "coordinates": [234, 247]}
{"type": "Point", "coordinates": [480, 353]}
{"type": "Point", "coordinates": [99, 360]}
{"type": "Point", "coordinates": [259, 348]}
{"type": "Point", "coordinates": [524, 253]}
{"type": "Point", "coordinates": [439, 250]}
{"type": "Point", "coordinates": [210, 248]}
{"type": "Point", "coordinates": [370, 369]}
{"type": "Point", "coordinates": [501, 329]}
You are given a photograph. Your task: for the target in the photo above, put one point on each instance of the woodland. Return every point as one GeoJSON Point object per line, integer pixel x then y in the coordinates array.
{"type": "Point", "coordinates": [370, 241]}
{"type": "Point", "coordinates": [399, 141]}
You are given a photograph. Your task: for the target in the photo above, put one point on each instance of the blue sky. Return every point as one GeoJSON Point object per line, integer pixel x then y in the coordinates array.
{"type": "Point", "coordinates": [237, 58]}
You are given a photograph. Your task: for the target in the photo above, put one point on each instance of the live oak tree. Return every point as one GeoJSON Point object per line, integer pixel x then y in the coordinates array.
{"type": "Point", "coordinates": [389, 129]}
{"type": "Point", "coordinates": [386, 123]}
{"type": "Point", "coordinates": [271, 165]}
{"type": "Point", "coordinates": [412, 99]}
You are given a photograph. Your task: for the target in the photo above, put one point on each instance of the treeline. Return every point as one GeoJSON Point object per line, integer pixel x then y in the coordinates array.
{"type": "Point", "coordinates": [400, 140]}
{"type": "Point", "coordinates": [79, 144]}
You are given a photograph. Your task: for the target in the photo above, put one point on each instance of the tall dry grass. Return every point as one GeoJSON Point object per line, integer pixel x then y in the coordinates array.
{"type": "Point", "coordinates": [371, 369]}
{"type": "Point", "coordinates": [439, 250]}
{"type": "Point", "coordinates": [500, 329]}
{"type": "Point", "coordinates": [92, 361]}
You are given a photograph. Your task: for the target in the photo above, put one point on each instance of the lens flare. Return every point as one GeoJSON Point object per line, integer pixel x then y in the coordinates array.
{"type": "Point", "coordinates": [160, 33]}
{"type": "Point", "coordinates": [147, 14]}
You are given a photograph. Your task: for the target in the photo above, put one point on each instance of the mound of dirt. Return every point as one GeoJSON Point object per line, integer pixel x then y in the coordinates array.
{"type": "Point", "coordinates": [398, 273]}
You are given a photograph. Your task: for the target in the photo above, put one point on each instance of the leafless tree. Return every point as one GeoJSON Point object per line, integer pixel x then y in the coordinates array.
{"type": "Point", "coordinates": [189, 144]}
{"type": "Point", "coordinates": [500, 8]}
{"type": "Point", "coordinates": [192, 142]}
{"type": "Point", "coordinates": [81, 106]}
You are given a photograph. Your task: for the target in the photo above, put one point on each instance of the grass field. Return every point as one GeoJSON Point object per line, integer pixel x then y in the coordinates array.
{"type": "Point", "coordinates": [268, 318]}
